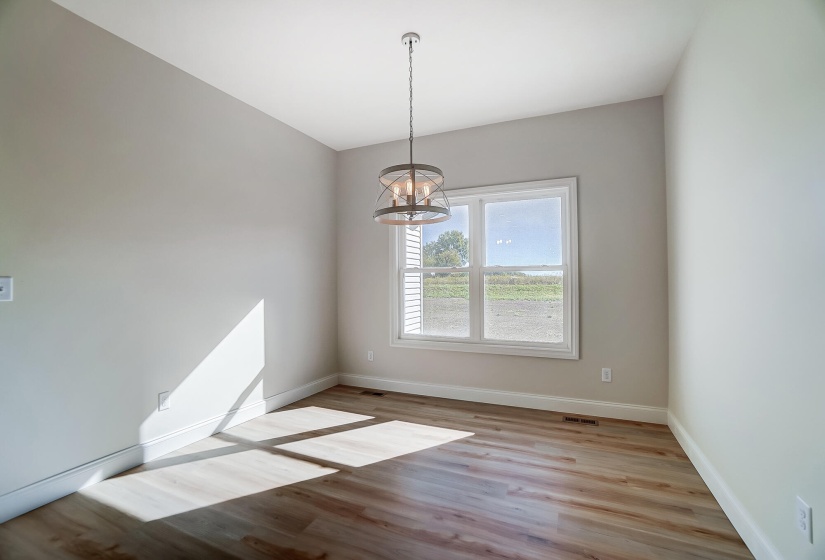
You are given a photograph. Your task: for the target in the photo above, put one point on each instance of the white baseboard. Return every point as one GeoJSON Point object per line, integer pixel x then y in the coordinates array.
{"type": "Point", "coordinates": [181, 438]}
{"type": "Point", "coordinates": [603, 409]}
{"type": "Point", "coordinates": [49, 489]}
{"type": "Point", "coordinates": [758, 543]}
{"type": "Point", "coordinates": [288, 397]}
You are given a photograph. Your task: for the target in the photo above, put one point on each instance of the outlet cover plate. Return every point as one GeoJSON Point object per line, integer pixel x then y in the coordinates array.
{"type": "Point", "coordinates": [803, 519]}
{"type": "Point", "coordinates": [164, 401]}
{"type": "Point", "coordinates": [5, 288]}
{"type": "Point", "coordinates": [607, 375]}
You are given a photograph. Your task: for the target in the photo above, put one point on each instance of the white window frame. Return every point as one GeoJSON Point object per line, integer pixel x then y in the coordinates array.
{"type": "Point", "coordinates": [565, 189]}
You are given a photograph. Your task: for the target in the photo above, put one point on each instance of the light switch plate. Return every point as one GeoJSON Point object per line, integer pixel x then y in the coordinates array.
{"type": "Point", "coordinates": [5, 288]}
{"type": "Point", "coordinates": [164, 402]}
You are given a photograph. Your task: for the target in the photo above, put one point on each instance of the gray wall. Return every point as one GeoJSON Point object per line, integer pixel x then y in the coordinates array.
{"type": "Point", "coordinates": [144, 216]}
{"type": "Point", "coordinates": [617, 153]}
{"type": "Point", "coordinates": [745, 120]}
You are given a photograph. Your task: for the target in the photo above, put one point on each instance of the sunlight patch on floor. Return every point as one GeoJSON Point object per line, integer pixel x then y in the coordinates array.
{"type": "Point", "coordinates": [161, 492]}
{"type": "Point", "coordinates": [219, 469]}
{"type": "Point", "coordinates": [364, 446]}
{"type": "Point", "coordinates": [291, 422]}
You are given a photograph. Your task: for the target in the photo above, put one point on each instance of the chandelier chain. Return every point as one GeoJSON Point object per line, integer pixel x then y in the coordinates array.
{"type": "Point", "coordinates": [411, 103]}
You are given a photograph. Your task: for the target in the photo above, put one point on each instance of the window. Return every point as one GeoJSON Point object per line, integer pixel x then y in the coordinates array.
{"type": "Point", "coordinates": [500, 276]}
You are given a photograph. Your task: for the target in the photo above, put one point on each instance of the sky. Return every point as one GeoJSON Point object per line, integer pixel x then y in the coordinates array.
{"type": "Point", "coordinates": [519, 232]}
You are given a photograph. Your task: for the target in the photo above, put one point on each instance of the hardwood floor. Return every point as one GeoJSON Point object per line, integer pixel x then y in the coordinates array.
{"type": "Point", "coordinates": [525, 485]}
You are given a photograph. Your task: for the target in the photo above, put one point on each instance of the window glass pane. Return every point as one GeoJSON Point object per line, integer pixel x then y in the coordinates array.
{"type": "Point", "coordinates": [447, 243]}
{"type": "Point", "coordinates": [524, 306]}
{"type": "Point", "coordinates": [523, 232]}
{"type": "Point", "coordinates": [437, 304]}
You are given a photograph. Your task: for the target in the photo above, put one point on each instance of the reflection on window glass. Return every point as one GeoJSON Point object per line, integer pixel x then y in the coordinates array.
{"type": "Point", "coordinates": [523, 232]}
{"type": "Point", "coordinates": [437, 304]}
{"type": "Point", "coordinates": [447, 244]}
{"type": "Point", "coordinates": [524, 306]}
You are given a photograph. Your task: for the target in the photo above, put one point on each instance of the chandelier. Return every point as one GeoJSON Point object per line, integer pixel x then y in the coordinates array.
{"type": "Point", "coordinates": [411, 193]}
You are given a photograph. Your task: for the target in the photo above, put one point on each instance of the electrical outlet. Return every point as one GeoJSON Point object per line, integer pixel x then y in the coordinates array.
{"type": "Point", "coordinates": [5, 288]}
{"type": "Point", "coordinates": [370, 356]}
{"type": "Point", "coordinates": [607, 375]}
{"type": "Point", "coordinates": [803, 519]}
{"type": "Point", "coordinates": [164, 401]}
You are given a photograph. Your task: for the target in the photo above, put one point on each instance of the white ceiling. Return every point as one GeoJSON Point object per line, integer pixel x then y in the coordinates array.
{"type": "Point", "coordinates": [337, 71]}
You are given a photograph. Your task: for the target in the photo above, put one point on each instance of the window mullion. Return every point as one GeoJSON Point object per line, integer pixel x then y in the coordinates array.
{"type": "Point", "coordinates": [437, 270]}
{"type": "Point", "coordinates": [477, 263]}
{"type": "Point", "coordinates": [533, 268]}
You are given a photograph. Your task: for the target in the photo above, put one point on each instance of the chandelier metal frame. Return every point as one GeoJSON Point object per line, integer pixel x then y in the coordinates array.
{"type": "Point", "coordinates": [411, 193]}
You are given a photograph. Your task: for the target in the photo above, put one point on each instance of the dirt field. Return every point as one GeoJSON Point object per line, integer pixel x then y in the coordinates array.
{"type": "Point", "coordinates": [533, 321]}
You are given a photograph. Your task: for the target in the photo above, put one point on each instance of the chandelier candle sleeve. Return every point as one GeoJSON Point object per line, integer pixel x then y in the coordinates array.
{"type": "Point", "coordinates": [417, 186]}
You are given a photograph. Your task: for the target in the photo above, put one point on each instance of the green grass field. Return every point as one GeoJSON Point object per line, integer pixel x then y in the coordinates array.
{"type": "Point", "coordinates": [516, 287]}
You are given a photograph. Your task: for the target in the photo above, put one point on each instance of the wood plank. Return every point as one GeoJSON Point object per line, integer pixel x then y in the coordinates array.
{"type": "Point", "coordinates": [523, 485]}
{"type": "Point", "coordinates": [365, 446]}
{"type": "Point", "coordinates": [295, 421]}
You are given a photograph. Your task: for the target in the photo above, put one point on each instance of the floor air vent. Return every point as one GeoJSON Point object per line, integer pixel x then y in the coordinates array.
{"type": "Point", "coordinates": [588, 421]}
{"type": "Point", "coordinates": [372, 393]}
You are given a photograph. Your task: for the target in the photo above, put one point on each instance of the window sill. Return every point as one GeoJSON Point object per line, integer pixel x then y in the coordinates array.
{"type": "Point", "coordinates": [564, 353]}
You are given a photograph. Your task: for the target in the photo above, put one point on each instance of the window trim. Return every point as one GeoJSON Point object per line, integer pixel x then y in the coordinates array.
{"type": "Point", "coordinates": [566, 187]}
